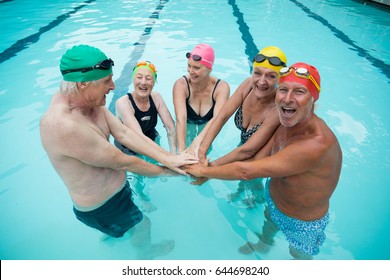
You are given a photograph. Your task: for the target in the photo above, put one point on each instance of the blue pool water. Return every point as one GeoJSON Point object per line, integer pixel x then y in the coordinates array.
{"type": "Point", "coordinates": [349, 42]}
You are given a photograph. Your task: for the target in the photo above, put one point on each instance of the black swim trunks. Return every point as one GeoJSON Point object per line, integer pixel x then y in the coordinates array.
{"type": "Point", "coordinates": [116, 216]}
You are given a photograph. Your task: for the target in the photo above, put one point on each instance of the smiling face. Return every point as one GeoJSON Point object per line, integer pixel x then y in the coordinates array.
{"type": "Point", "coordinates": [197, 70]}
{"type": "Point", "coordinates": [264, 81]}
{"type": "Point", "coordinates": [295, 104]}
{"type": "Point", "coordinates": [143, 81]}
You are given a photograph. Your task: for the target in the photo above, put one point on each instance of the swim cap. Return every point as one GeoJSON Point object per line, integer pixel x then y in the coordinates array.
{"type": "Point", "coordinates": [206, 52]}
{"type": "Point", "coordinates": [83, 56]}
{"type": "Point", "coordinates": [269, 52]}
{"type": "Point", "coordinates": [292, 77]}
{"type": "Point", "coordinates": [147, 65]}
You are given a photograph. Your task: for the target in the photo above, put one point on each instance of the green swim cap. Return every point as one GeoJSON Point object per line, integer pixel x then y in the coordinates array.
{"type": "Point", "coordinates": [84, 63]}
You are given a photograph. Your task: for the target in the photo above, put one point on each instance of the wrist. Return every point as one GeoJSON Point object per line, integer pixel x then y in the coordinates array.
{"type": "Point", "coordinates": [168, 172]}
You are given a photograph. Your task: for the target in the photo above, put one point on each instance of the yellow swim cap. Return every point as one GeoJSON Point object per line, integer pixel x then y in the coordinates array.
{"type": "Point", "coordinates": [270, 57]}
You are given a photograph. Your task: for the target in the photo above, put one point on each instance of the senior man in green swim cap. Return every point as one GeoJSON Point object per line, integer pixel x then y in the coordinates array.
{"type": "Point", "coordinates": [75, 133]}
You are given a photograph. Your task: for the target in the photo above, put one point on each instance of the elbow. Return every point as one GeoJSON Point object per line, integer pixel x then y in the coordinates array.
{"type": "Point", "coordinates": [119, 163]}
{"type": "Point", "coordinates": [246, 154]}
{"type": "Point", "coordinates": [242, 153]}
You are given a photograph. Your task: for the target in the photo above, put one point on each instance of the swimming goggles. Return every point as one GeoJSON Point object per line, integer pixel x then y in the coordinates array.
{"type": "Point", "coordinates": [299, 72]}
{"type": "Point", "coordinates": [146, 63]}
{"type": "Point", "coordinates": [149, 65]}
{"type": "Point", "coordinates": [197, 57]}
{"type": "Point", "coordinates": [102, 65]}
{"type": "Point", "coordinates": [273, 60]}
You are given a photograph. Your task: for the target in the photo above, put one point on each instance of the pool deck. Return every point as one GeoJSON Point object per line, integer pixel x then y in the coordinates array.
{"type": "Point", "coordinates": [384, 2]}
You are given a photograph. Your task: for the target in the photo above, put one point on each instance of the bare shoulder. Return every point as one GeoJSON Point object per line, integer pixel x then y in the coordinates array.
{"type": "Point", "coordinates": [123, 105]}
{"type": "Point", "coordinates": [325, 149]}
{"type": "Point", "coordinates": [179, 87]}
{"type": "Point", "coordinates": [54, 124]}
{"type": "Point", "coordinates": [157, 98]}
{"type": "Point", "coordinates": [323, 142]}
{"type": "Point", "coordinates": [223, 85]}
{"type": "Point", "coordinates": [244, 88]}
{"type": "Point", "coordinates": [57, 130]}
{"type": "Point", "coordinates": [57, 108]}
{"type": "Point", "coordinates": [222, 90]}
{"type": "Point", "coordinates": [122, 101]}
{"type": "Point", "coordinates": [247, 83]}
{"type": "Point", "coordinates": [326, 133]}
{"type": "Point", "coordinates": [180, 82]}
{"type": "Point", "coordinates": [155, 95]}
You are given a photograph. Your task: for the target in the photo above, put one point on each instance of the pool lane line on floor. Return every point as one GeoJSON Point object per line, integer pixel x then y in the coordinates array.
{"type": "Point", "coordinates": [24, 43]}
{"type": "Point", "coordinates": [250, 47]}
{"type": "Point", "coordinates": [381, 65]}
{"type": "Point", "coordinates": [123, 82]}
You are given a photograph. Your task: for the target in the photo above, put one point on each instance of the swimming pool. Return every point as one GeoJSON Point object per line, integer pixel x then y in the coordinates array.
{"type": "Point", "coordinates": [347, 41]}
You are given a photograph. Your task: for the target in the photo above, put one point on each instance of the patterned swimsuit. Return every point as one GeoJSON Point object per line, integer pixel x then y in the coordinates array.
{"type": "Point", "coordinates": [305, 236]}
{"type": "Point", "coordinates": [245, 135]}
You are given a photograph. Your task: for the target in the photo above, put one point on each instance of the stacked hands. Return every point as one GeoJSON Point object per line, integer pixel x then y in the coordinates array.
{"type": "Point", "coordinates": [194, 168]}
{"type": "Point", "coordinates": [281, 138]}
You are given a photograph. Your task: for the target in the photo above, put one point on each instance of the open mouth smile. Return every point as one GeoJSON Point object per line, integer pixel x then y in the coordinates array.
{"type": "Point", "coordinates": [288, 111]}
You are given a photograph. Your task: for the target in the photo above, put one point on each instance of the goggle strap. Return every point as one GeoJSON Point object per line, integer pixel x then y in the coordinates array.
{"type": "Point", "coordinates": [100, 65]}
{"type": "Point", "coordinates": [189, 55]}
{"type": "Point", "coordinates": [306, 75]}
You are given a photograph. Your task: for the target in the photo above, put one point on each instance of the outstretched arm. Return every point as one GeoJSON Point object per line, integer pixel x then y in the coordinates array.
{"type": "Point", "coordinates": [125, 112]}
{"type": "Point", "coordinates": [296, 158]}
{"type": "Point", "coordinates": [143, 145]}
{"type": "Point", "coordinates": [179, 102]}
{"type": "Point", "coordinates": [227, 110]}
{"type": "Point", "coordinates": [256, 142]}
{"type": "Point", "coordinates": [87, 144]}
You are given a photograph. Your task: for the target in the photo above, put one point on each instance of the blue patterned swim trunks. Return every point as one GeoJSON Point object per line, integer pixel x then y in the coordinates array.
{"type": "Point", "coordinates": [305, 236]}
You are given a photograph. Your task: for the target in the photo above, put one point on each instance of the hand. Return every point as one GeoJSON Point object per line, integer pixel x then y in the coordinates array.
{"type": "Point", "coordinates": [199, 180]}
{"type": "Point", "coordinates": [195, 170]}
{"type": "Point", "coordinates": [173, 162]}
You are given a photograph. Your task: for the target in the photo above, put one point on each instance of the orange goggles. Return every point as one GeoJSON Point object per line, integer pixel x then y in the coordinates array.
{"type": "Point", "coordinates": [149, 65]}
{"type": "Point", "coordinates": [299, 72]}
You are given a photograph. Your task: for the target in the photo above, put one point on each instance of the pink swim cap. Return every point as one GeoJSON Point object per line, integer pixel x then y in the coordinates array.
{"type": "Point", "coordinates": [311, 80]}
{"type": "Point", "coordinates": [205, 52]}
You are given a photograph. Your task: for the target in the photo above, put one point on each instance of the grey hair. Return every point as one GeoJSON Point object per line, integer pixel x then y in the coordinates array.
{"type": "Point", "coordinates": [67, 88]}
